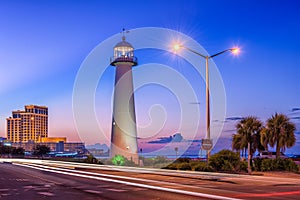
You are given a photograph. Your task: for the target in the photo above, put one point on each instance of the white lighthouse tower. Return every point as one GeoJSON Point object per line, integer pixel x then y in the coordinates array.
{"type": "Point", "coordinates": [124, 133]}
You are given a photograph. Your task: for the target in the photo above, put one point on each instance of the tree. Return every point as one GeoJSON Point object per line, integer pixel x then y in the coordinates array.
{"type": "Point", "coordinates": [279, 132]}
{"type": "Point", "coordinates": [41, 150]}
{"type": "Point", "coordinates": [248, 136]}
{"type": "Point", "coordinates": [19, 152]}
{"type": "Point", "coordinates": [239, 143]}
{"type": "Point", "coordinates": [5, 150]}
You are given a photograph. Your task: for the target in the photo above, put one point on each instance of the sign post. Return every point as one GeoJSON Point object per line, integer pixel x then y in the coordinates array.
{"type": "Point", "coordinates": [207, 145]}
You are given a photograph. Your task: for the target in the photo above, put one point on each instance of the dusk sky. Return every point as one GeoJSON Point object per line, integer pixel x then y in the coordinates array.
{"type": "Point", "coordinates": [44, 43]}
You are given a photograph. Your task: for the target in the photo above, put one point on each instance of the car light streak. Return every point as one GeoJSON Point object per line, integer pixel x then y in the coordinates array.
{"type": "Point", "coordinates": [133, 184]}
{"type": "Point", "coordinates": [186, 174]}
{"type": "Point", "coordinates": [269, 194]}
{"type": "Point", "coordinates": [108, 175]}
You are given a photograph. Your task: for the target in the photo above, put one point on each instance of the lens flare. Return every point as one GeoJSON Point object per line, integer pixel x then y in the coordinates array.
{"type": "Point", "coordinates": [235, 50]}
{"type": "Point", "coordinates": [177, 47]}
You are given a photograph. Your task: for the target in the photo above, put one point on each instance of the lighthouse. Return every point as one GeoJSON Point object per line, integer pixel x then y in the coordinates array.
{"type": "Point", "coordinates": [124, 131]}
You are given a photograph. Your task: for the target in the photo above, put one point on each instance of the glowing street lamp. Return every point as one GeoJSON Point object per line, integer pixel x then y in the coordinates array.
{"type": "Point", "coordinates": [234, 51]}
{"type": "Point", "coordinates": [177, 47]}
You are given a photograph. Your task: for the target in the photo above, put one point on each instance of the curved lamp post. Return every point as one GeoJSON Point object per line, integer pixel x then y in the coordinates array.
{"type": "Point", "coordinates": [234, 51]}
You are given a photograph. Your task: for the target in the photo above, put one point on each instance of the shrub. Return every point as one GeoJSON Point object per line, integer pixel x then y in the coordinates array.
{"type": "Point", "coordinates": [17, 152]}
{"type": "Point", "coordinates": [184, 166]}
{"type": "Point", "coordinates": [91, 159]}
{"type": "Point", "coordinates": [243, 166]}
{"type": "Point", "coordinates": [278, 165]}
{"type": "Point", "coordinates": [172, 166]}
{"type": "Point", "coordinates": [118, 160]}
{"type": "Point", "coordinates": [194, 163]}
{"type": "Point", "coordinates": [160, 159]}
{"type": "Point", "coordinates": [106, 161]}
{"type": "Point", "coordinates": [266, 165]}
{"type": "Point", "coordinates": [202, 166]}
{"type": "Point", "coordinates": [257, 162]}
{"type": "Point", "coordinates": [148, 161]}
{"type": "Point", "coordinates": [182, 160]}
{"type": "Point", "coordinates": [228, 167]}
{"type": "Point", "coordinates": [130, 163]}
{"type": "Point", "coordinates": [225, 160]}
{"type": "Point", "coordinates": [290, 165]}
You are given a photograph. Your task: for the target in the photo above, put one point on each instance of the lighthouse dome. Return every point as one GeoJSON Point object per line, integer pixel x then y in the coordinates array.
{"type": "Point", "coordinates": [123, 51]}
{"type": "Point", "coordinates": [123, 43]}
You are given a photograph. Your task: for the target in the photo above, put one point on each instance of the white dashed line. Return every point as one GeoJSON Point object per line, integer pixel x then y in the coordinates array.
{"type": "Point", "coordinates": [46, 194]}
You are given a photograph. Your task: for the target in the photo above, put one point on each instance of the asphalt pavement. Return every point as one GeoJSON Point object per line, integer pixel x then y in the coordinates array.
{"type": "Point", "coordinates": [35, 179]}
{"type": "Point", "coordinates": [22, 183]}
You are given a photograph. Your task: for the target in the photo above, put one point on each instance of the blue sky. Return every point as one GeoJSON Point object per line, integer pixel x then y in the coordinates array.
{"type": "Point", "coordinates": [43, 43]}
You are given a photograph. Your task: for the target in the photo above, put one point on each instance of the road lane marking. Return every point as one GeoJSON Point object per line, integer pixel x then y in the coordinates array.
{"type": "Point", "coordinates": [269, 194]}
{"type": "Point", "coordinates": [206, 175]}
{"type": "Point", "coordinates": [116, 190]}
{"type": "Point", "coordinates": [49, 194]}
{"type": "Point", "coordinates": [113, 176]}
{"type": "Point", "coordinates": [93, 191]}
{"type": "Point", "coordinates": [198, 194]}
{"type": "Point", "coordinates": [168, 184]}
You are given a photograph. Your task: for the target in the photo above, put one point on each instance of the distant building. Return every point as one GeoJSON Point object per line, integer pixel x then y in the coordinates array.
{"type": "Point", "coordinates": [2, 139]}
{"type": "Point", "coordinates": [60, 146]}
{"type": "Point", "coordinates": [54, 146]}
{"type": "Point", "coordinates": [97, 152]}
{"type": "Point", "coordinates": [54, 139]}
{"type": "Point", "coordinates": [26, 125]}
{"type": "Point", "coordinates": [5, 141]}
{"type": "Point", "coordinates": [28, 128]}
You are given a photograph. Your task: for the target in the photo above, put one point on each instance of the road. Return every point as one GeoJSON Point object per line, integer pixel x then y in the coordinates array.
{"type": "Point", "coordinates": [34, 179]}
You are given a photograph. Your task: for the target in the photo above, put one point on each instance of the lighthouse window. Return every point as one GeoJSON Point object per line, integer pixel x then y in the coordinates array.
{"type": "Point", "coordinates": [123, 52]}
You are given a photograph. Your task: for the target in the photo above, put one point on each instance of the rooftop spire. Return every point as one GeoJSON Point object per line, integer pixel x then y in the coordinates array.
{"type": "Point", "coordinates": [123, 34]}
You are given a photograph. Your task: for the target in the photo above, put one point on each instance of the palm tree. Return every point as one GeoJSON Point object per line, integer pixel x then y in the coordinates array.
{"type": "Point", "coordinates": [239, 143]}
{"type": "Point", "coordinates": [248, 136]}
{"type": "Point", "coordinates": [279, 132]}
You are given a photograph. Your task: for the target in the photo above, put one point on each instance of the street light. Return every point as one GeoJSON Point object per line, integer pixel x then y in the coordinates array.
{"type": "Point", "coordinates": [234, 51]}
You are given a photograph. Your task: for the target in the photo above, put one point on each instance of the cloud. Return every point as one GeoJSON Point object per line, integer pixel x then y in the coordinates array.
{"type": "Point", "coordinates": [234, 118]}
{"type": "Point", "coordinates": [218, 121]}
{"type": "Point", "coordinates": [295, 109]}
{"type": "Point", "coordinates": [229, 119]}
{"type": "Point", "coordinates": [195, 103]}
{"type": "Point", "coordinates": [297, 133]}
{"type": "Point", "coordinates": [297, 118]}
{"type": "Point", "coordinates": [164, 140]}
{"type": "Point", "coordinates": [161, 140]}
{"type": "Point", "coordinates": [194, 141]}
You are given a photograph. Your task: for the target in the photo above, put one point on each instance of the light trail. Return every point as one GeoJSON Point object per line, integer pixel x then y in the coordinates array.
{"type": "Point", "coordinates": [197, 194]}
{"type": "Point", "coordinates": [270, 194]}
{"type": "Point", "coordinates": [70, 167]}
{"type": "Point", "coordinates": [186, 174]}
{"type": "Point", "coordinates": [108, 175]}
